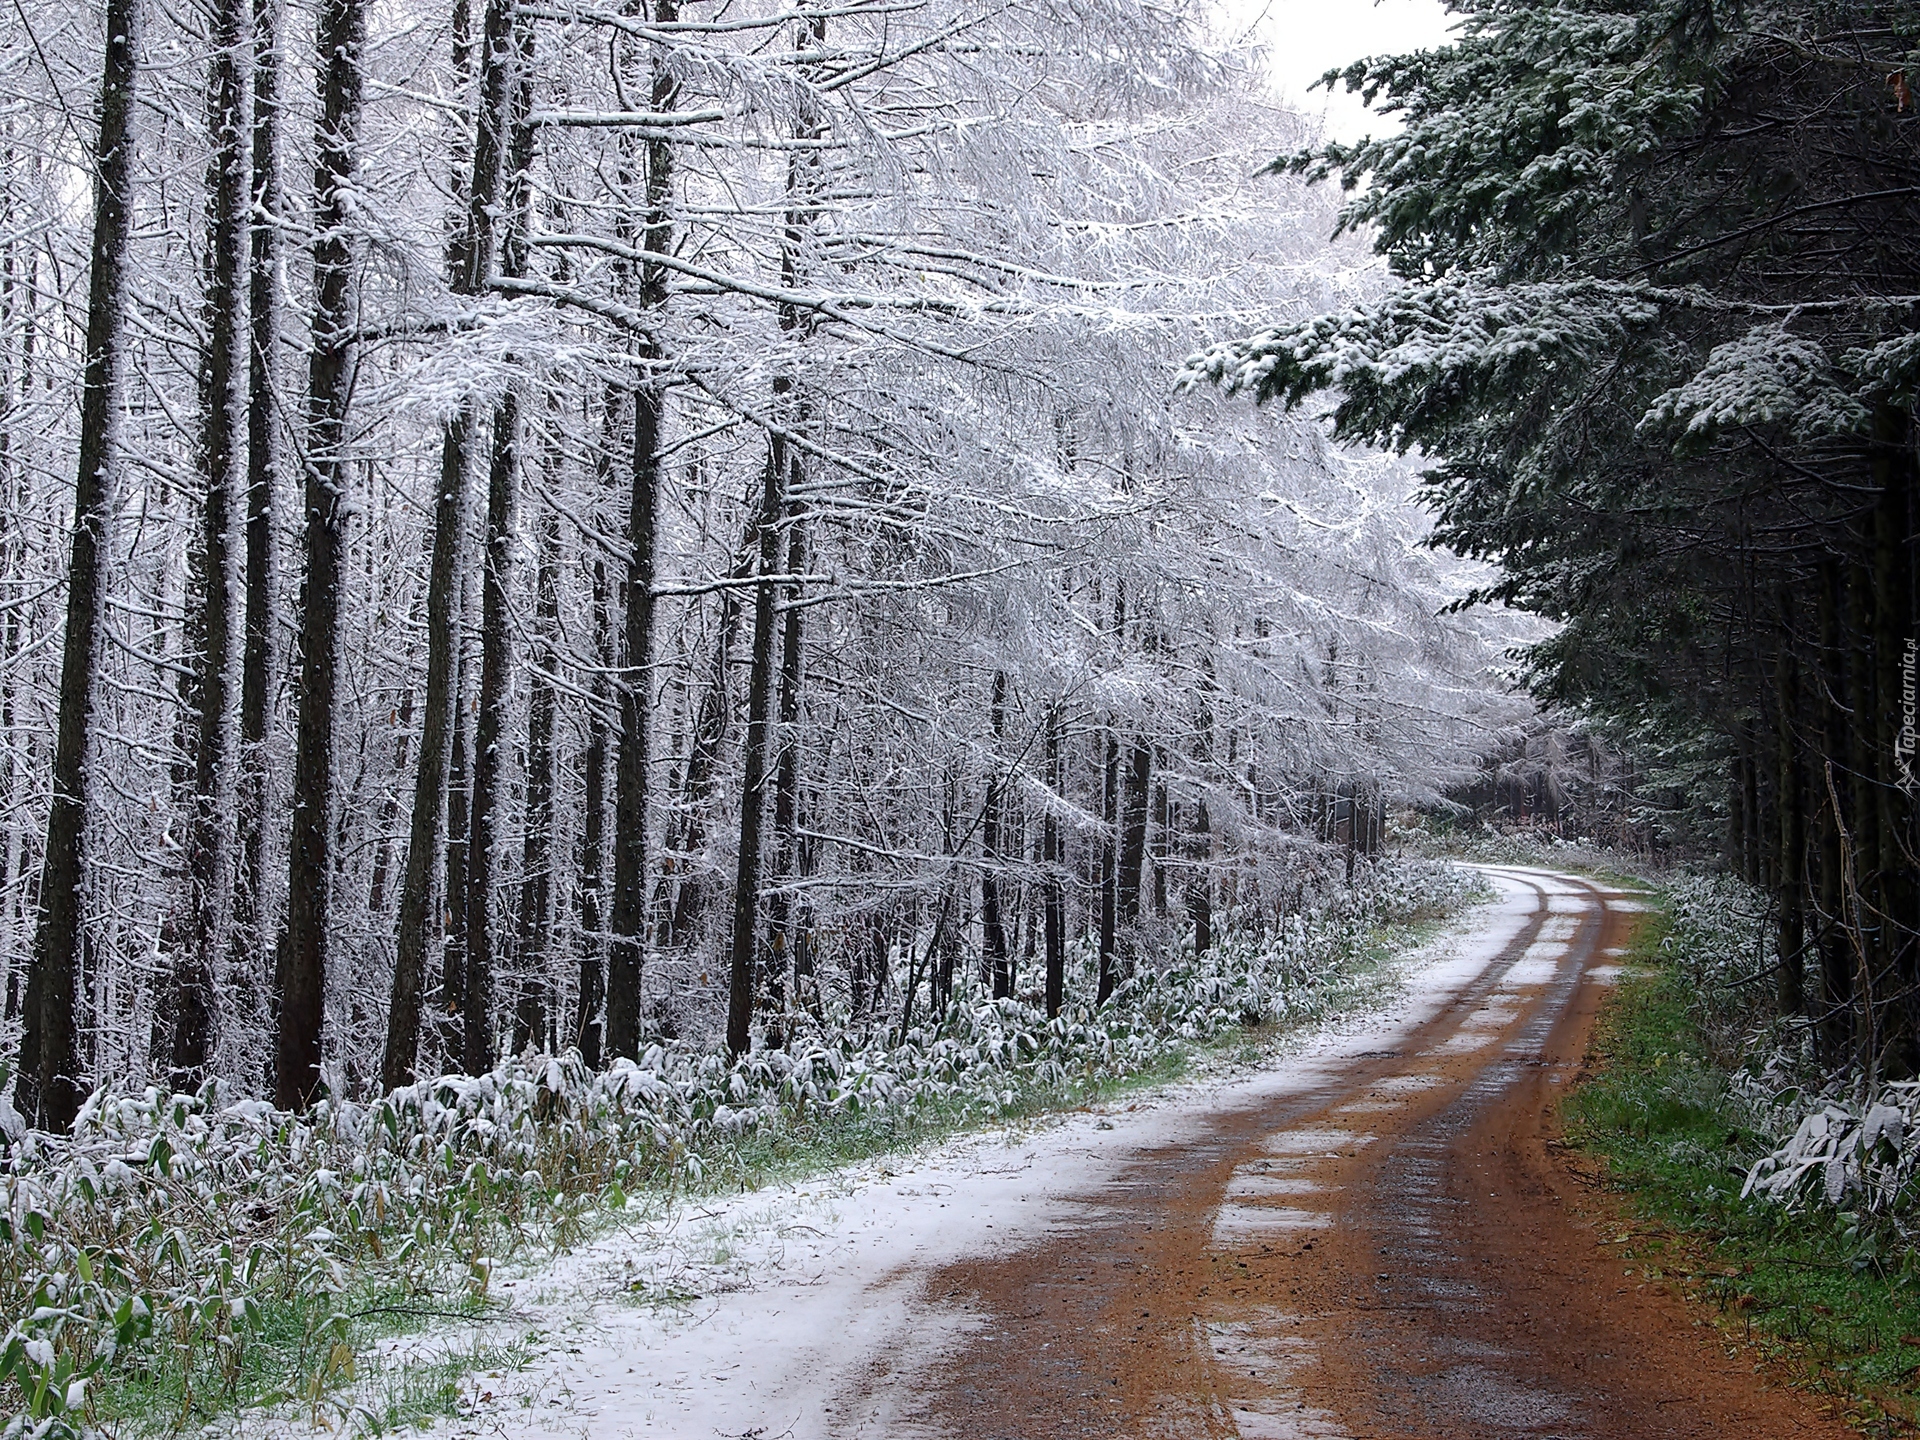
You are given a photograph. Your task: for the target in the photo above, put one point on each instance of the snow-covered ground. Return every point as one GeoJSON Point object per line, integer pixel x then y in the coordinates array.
{"type": "Point", "coordinates": [761, 1314]}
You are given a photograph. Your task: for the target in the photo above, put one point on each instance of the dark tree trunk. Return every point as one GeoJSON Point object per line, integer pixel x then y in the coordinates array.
{"type": "Point", "coordinates": [452, 998]}
{"type": "Point", "coordinates": [593, 915]}
{"type": "Point", "coordinates": [251, 923]}
{"type": "Point", "coordinates": [626, 954]}
{"type": "Point", "coordinates": [48, 1090]}
{"type": "Point", "coordinates": [1200, 887]}
{"type": "Point", "coordinates": [1133, 847]}
{"type": "Point", "coordinates": [690, 893]}
{"type": "Point", "coordinates": [1053, 854]}
{"type": "Point", "coordinates": [746, 889]}
{"type": "Point", "coordinates": [502, 156]}
{"type": "Point", "coordinates": [536, 882]}
{"type": "Point", "coordinates": [1159, 838]}
{"type": "Point", "coordinates": [419, 897]}
{"type": "Point", "coordinates": [782, 949]}
{"type": "Point", "coordinates": [489, 758]}
{"type": "Point", "coordinates": [999, 959]}
{"type": "Point", "coordinates": [300, 970]}
{"type": "Point", "coordinates": [473, 257]}
{"type": "Point", "coordinates": [223, 400]}
{"type": "Point", "coordinates": [1790, 889]}
{"type": "Point", "coordinates": [1109, 867]}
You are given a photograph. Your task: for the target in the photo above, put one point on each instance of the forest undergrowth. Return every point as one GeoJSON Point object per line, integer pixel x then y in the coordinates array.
{"type": "Point", "coordinates": [1751, 1181]}
{"type": "Point", "coordinates": [181, 1256]}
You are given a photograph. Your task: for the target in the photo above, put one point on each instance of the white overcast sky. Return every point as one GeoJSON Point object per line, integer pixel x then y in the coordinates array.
{"type": "Point", "coordinates": [1306, 38]}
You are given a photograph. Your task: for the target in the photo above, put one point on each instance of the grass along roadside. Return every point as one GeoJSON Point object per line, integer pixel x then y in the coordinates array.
{"type": "Point", "coordinates": [1818, 1295]}
{"type": "Point", "coordinates": [188, 1258]}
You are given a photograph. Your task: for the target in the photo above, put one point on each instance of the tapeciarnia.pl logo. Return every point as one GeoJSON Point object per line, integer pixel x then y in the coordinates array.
{"type": "Point", "coordinates": [1904, 745]}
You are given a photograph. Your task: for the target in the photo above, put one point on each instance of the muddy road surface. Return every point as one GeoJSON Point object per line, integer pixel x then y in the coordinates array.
{"type": "Point", "coordinates": [1369, 1238]}
{"type": "Point", "coordinates": [1388, 1252]}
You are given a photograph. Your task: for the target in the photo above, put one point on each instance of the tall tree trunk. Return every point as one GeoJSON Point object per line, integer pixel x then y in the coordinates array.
{"type": "Point", "coordinates": [1200, 887]}
{"type": "Point", "coordinates": [786, 785]}
{"type": "Point", "coordinates": [300, 970]}
{"type": "Point", "coordinates": [1836, 968]}
{"type": "Point", "coordinates": [999, 959]}
{"type": "Point", "coordinates": [1790, 873]}
{"type": "Point", "coordinates": [502, 156]}
{"type": "Point", "coordinates": [473, 258]}
{"type": "Point", "coordinates": [48, 1090]}
{"type": "Point", "coordinates": [451, 1006]}
{"type": "Point", "coordinates": [626, 955]}
{"type": "Point", "coordinates": [593, 909]}
{"type": "Point", "coordinates": [746, 889]}
{"type": "Point", "coordinates": [418, 925]}
{"type": "Point", "coordinates": [536, 883]}
{"type": "Point", "coordinates": [251, 923]}
{"type": "Point", "coordinates": [1053, 853]}
{"type": "Point", "coordinates": [223, 399]}
{"type": "Point", "coordinates": [1136, 789]}
{"type": "Point", "coordinates": [496, 678]}
{"type": "Point", "coordinates": [1109, 866]}
{"type": "Point", "coordinates": [689, 896]}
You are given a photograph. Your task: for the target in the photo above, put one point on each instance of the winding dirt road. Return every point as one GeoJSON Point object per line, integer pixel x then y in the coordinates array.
{"type": "Point", "coordinates": [1368, 1239]}
{"type": "Point", "coordinates": [1387, 1253]}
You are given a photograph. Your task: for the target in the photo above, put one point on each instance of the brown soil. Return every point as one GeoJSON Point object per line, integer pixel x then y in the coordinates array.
{"type": "Point", "coordinates": [1395, 1254]}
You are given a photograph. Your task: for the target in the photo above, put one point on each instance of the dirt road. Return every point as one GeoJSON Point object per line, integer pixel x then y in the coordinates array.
{"type": "Point", "coordinates": [1369, 1239]}
{"type": "Point", "coordinates": [1389, 1253]}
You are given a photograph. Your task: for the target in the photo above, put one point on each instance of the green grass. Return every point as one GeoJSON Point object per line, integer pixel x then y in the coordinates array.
{"type": "Point", "coordinates": [1822, 1294]}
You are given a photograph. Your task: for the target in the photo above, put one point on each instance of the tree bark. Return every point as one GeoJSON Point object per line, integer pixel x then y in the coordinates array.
{"type": "Point", "coordinates": [502, 157]}
{"type": "Point", "coordinates": [48, 1090]}
{"type": "Point", "coordinates": [593, 909]}
{"type": "Point", "coordinates": [223, 460]}
{"type": "Point", "coordinates": [626, 954]}
{"type": "Point", "coordinates": [1109, 866]}
{"type": "Point", "coordinates": [1053, 853]}
{"type": "Point", "coordinates": [426, 829]}
{"type": "Point", "coordinates": [496, 660]}
{"type": "Point", "coordinates": [300, 971]}
{"type": "Point", "coordinates": [746, 889]}
{"type": "Point", "coordinates": [536, 871]}
{"type": "Point", "coordinates": [999, 959]}
{"type": "Point", "coordinates": [251, 924]}
{"type": "Point", "coordinates": [781, 948]}
{"type": "Point", "coordinates": [1136, 790]}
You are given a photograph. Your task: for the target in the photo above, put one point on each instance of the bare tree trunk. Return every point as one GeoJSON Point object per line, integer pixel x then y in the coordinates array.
{"type": "Point", "coordinates": [1109, 867]}
{"type": "Point", "coordinates": [223, 399]}
{"type": "Point", "coordinates": [1135, 791]}
{"type": "Point", "coordinates": [593, 912]}
{"type": "Point", "coordinates": [709, 734]}
{"type": "Point", "coordinates": [536, 872]}
{"type": "Point", "coordinates": [746, 889]}
{"type": "Point", "coordinates": [786, 787]}
{"type": "Point", "coordinates": [418, 888]}
{"type": "Point", "coordinates": [999, 960]}
{"type": "Point", "coordinates": [473, 259]}
{"type": "Point", "coordinates": [48, 1090]}
{"type": "Point", "coordinates": [500, 167]}
{"type": "Point", "coordinates": [451, 1004]}
{"type": "Point", "coordinates": [300, 970]}
{"type": "Point", "coordinates": [496, 660]}
{"type": "Point", "coordinates": [251, 925]}
{"type": "Point", "coordinates": [1054, 855]}
{"type": "Point", "coordinates": [626, 955]}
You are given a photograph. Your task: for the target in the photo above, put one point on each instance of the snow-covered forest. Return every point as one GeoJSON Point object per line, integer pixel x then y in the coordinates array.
{"type": "Point", "coordinates": [535, 525]}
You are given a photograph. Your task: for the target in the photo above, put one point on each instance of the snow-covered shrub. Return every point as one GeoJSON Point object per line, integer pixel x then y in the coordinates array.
{"type": "Point", "coordinates": [1864, 1155]}
{"type": "Point", "coordinates": [1722, 943]}
{"type": "Point", "coordinates": [174, 1218]}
